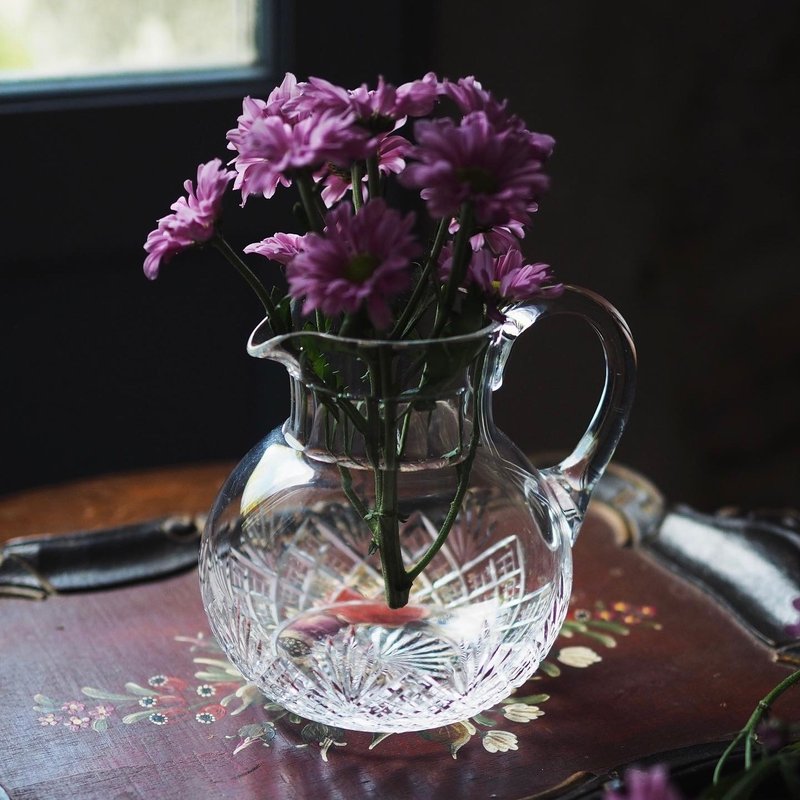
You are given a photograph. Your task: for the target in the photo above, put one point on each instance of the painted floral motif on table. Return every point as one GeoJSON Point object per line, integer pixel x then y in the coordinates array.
{"type": "Point", "coordinates": [217, 690]}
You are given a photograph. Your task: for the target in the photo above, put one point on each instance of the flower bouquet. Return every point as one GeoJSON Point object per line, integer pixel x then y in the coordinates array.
{"type": "Point", "coordinates": [362, 267]}
{"type": "Point", "coordinates": [387, 560]}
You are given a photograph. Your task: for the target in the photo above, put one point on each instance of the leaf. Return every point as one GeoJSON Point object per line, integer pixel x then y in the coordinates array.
{"type": "Point", "coordinates": [101, 694]}
{"type": "Point", "coordinates": [247, 694]}
{"type": "Point", "coordinates": [100, 725]}
{"type": "Point", "coordinates": [225, 666]}
{"type": "Point", "coordinates": [250, 730]}
{"type": "Point", "coordinates": [530, 699]}
{"type": "Point", "coordinates": [603, 638]}
{"type": "Point", "coordinates": [549, 669]}
{"type": "Point", "coordinates": [46, 704]}
{"type": "Point", "coordinates": [44, 700]}
{"type": "Point", "coordinates": [275, 711]}
{"type": "Point", "coordinates": [213, 677]}
{"type": "Point", "coordinates": [742, 785]}
{"type": "Point", "coordinates": [250, 734]}
{"type": "Point", "coordinates": [138, 716]}
{"type": "Point", "coordinates": [377, 738]}
{"type": "Point", "coordinates": [470, 316]}
{"type": "Point", "coordinates": [483, 720]}
{"type": "Point", "coordinates": [318, 732]}
{"type": "Point", "coordinates": [614, 627]}
{"type": "Point", "coordinates": [134, 688]}
{"type": "Point", "coordinates": [455, 736]}
{"type": "Point", "coordinates": [283, 317]}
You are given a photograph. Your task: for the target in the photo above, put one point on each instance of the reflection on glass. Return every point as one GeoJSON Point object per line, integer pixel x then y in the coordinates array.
{"type": "Point", "coordinates": [46, 39]}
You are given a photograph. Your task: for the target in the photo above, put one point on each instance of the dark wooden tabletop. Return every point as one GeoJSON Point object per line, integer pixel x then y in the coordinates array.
{"type": "Point", "coordinates": [122, 693]}
{"type": "Point", "coordinates": [110, 500]}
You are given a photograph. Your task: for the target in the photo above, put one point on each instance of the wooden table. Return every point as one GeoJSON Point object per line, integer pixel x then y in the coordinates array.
{"type": "Point", "coordinates": [121, 693]}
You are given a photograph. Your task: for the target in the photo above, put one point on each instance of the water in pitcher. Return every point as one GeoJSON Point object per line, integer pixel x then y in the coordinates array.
{"type": "Point", "coordinates": [319, 643]}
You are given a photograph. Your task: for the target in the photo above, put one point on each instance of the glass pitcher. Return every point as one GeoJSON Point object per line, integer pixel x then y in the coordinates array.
{"type": "Point", "coordinates": [388, 560]}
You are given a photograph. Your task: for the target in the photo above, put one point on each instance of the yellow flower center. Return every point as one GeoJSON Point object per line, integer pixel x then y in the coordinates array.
{"type": "Point", "coordinates": [361, 267]}
{"type": "Point", "coordinates": [479, 180]}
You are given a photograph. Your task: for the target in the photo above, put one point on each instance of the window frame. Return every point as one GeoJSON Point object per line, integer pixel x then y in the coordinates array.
{"type": "Point", "coordinates": [274, 45]}
{"type": "Point", "coordinates": [104, 366]}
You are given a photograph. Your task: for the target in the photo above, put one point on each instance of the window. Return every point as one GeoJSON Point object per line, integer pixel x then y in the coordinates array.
{"type": "Point", "coordinates": [105, 370]}
{"type": "Point", "coordinates": [68, 39]}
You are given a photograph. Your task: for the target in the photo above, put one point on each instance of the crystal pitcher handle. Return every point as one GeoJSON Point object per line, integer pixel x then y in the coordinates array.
{"type": "Point", "coordinates": [574, 478]}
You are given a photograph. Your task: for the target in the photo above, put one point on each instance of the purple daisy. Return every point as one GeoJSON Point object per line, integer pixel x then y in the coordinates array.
{"type": "Point", "coordinates": [360, 260]}
{"type": "Point", "coordinates": [418, 98]}
{"type": "Point", "coordinates": [499, 238]}
{"type": "Point", "coordinates": [505, 278]}
{"type": "Point", "coordinates": [646, 784]}
{"type": "Point", "coordinates": [468, 95]}
{"type": "Point", "coordinates": [279, 99]}
{"type": "Point", "coordinates": [384, 107]}
{"type": "Point", "coordinates": [498, 169]}
{"type": "Point", "coordinates": [271, 148]}
{"type": "Point", "coordinates": [793, 629]}
{"type": "Point", "coordinates": [391, 151]}
{"type": "Point", "coordinates": [278, 104]}
{"type": "Point", "coordinates": [513, 279]}
{"type": "Point", "coordinates": [194, 218]}
{"type": "Point", "coordinates": [282, 247]}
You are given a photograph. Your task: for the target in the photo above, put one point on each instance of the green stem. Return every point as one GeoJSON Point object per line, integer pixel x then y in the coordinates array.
{"type": "Point", "coordinates": [359, 423]}
{"type": "Point", "coordinates": [749, 729]}
{"type": "Point", "coordinates": [347, 324]}
{"type": "Point", "coordinates": [396, 582]}
{"type": "Point", "coordinates": [220, 244]}
{"type": "Point", "coordinates": [463, 470]}
{"type": "Point", "coordinates": [385, 520]}
{"type": "Point", "coordinates": [355, 500]}
{"type": "Point", "coordinates": [355, 181]}
{"type": "Point", "coordinates": [402, 324]}
{"type": "Point", "coordinates": [462, 253]}
{"type": "Point", "coordinates": [305, 185]}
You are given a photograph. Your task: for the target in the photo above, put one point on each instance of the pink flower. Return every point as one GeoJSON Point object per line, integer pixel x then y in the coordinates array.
{"type": "Point", "coordinates": [255, 109]}
{"type": "Point", "coordinates": [418, 98]}
{"type": "Point", "coordinates": [512, 279]}
{"type": "Point", "coordinates": [498, 169]}
{"type": "Point", "coordinates": [218, 711]}
{"type": "Point", "coordinates": [49, 719]}
{"type": "Point", "coordinates": [279, 100]}
{"type": "Point", "coordinates": [359, 260]}
{"type": "Point", "coordinates": [194, 218]}
{"type": "Point", "coordinates": [379, 109]}
{"type": "Point", "coordinates": [318, 95]}
{"type": "Point", "coordinates": [75, 723]}
{"type": "Point", "coordinates": [504, 278]}
{"type": "Point", "coordinates": [101, 711]}
{"type": "Point", "coordinates": [793, 629]}
{"type": "Point", "coordinates": [468, 94]}
{"type": "Point", "coordinates": [73, 707]}
{"type": "Point", "coordinates": [282, 247]}
{"type": "Point", "coordinates": [646, 784]}
{"type": "Point", "coordinates": [271, 149]}
{"type": "Point", "coordinates": [391, 151]}
{"type": "Point", "coordinates": [168, 682]}
{"type": "Point", "coordinates": [499, 238]}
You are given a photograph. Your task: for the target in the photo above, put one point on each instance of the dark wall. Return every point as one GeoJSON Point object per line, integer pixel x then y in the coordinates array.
{"type": "Point", "coordinates": [100, 369]}
{"type": "Point", "coordinates": [675, 194]}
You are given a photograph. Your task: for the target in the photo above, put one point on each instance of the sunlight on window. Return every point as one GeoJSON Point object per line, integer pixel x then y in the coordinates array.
{"type": "Point", "coordinates": [47, 39]}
